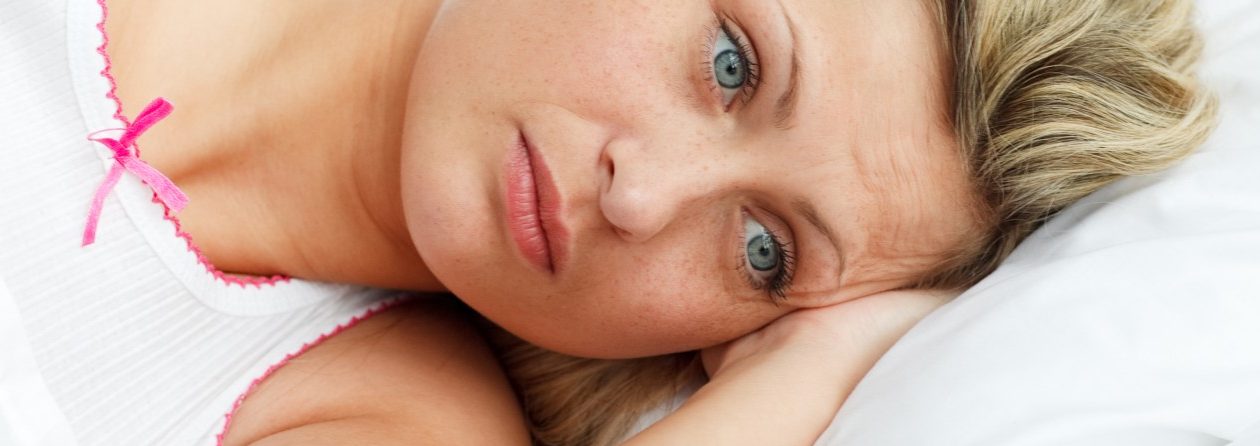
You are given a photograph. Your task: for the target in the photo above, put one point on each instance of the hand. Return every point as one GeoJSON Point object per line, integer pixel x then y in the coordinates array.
{"type": "Point", "coordinates": [783, 384]}
{"type": "Point", "coordinates": [847, 337]}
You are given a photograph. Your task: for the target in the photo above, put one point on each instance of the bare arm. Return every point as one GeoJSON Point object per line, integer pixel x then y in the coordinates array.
{"type": "Point", "coordinates": [784, 383]}
{"type": "Point", "coordinates": [416, 374]}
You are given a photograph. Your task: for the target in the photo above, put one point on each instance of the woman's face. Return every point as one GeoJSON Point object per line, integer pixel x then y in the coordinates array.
{"type": "Point", "coordinates": [627, 178]}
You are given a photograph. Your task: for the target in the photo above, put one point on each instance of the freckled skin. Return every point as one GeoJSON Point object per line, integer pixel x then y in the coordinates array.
{"type": "Point", "coordinates": [655, 175]}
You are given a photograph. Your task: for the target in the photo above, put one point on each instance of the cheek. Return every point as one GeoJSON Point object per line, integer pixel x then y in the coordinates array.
{"type": "Point", "coordinates": [653, 302]}
{"type": "Point", "coordinates": [585, 56]}
{"type": "Point", "coordinates": [633, 301]}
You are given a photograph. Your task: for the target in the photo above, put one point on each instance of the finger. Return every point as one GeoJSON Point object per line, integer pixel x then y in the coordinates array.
{"type": "Point", "coordinates": [713, 357]}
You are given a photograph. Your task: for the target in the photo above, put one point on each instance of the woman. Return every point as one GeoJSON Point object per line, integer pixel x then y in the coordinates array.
{"type": "Point", "coordinates": [628, 179]}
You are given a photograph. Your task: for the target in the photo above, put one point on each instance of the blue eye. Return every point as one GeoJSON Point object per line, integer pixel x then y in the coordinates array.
{"type": "Point", "coordinates": [728, 69]}
{"type": "Point", "coordinates": [762, 252]}
{"type": "Point", "coordinates": [731, 64]}
{"type": "Point", "coordinates": [767, 260]}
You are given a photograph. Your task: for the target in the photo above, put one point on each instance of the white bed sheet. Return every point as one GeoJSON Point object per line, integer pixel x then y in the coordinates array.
{"type": "Point", "coordinates": [1131, 319]}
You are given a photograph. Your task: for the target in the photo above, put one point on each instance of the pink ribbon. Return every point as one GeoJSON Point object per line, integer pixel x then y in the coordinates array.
{"type": "Point", "coordinates": [125, 159]}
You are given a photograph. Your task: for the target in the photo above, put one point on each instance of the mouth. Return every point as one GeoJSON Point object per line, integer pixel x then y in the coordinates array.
{"type": "Point", "coordinates": [534, 208]}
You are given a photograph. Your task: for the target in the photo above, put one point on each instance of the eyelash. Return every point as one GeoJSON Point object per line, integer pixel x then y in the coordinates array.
{"type": "Point", "coordinates": [777, 287]}
{"type": "Point", "coordinates": [746, 52]}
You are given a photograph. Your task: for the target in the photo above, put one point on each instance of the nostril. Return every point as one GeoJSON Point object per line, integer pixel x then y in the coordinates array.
{"type": "Point", "coordinates": [609, 169]}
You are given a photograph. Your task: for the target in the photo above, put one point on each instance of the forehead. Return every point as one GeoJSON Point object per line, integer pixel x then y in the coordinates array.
{"type": "Point", "coordinates": [878, 55]}
{"type": "Point", "coordinates": [872, 143]}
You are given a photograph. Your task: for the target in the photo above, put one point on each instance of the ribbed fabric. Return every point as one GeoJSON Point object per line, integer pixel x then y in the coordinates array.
{"type": "Point", "coordinates": [137, 340]}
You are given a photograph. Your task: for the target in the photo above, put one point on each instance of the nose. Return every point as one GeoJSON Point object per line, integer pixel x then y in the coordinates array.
{"type": "Point", "coordinates": [646, 190]}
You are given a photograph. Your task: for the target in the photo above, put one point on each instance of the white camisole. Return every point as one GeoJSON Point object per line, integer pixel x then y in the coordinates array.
{"type": "Point", "coordinates": [135, 339]}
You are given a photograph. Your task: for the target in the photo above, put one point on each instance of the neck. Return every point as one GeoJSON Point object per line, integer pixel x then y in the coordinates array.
{"type": "Point", "coordinates": [286, 131]}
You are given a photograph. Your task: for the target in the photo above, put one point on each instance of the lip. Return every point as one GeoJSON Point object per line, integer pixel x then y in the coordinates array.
{"type": "Point", "coordinates": [533, 208]}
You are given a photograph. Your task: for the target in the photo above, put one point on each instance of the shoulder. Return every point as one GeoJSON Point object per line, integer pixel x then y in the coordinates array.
{"type": "Point", "coordinates": [419, 372]}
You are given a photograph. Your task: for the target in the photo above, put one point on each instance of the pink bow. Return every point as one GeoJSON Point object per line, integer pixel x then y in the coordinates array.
{"type": "Point", "coordinates": [125, 158]}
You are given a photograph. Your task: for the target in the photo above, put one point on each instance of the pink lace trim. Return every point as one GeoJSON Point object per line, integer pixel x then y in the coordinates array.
{"type": "Point", "coordinates": [168, 214]}
{"type": "Point", "coordinates": [227, 418]}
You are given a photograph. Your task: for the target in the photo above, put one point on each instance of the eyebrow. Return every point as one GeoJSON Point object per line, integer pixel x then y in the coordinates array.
{"type": "Point", "coordinates": [810, 214]}
{"type": "Point", "coordinates": [786, 105]}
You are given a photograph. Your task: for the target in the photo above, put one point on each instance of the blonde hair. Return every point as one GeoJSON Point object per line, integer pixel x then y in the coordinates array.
{"type": "Point", "coordinates": [1052, 100]}
{"type": "Point", "coordinates": [581, 401]}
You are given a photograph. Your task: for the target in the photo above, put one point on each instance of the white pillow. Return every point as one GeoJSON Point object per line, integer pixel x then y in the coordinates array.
{"type": "Point", "coordinates": [1131, 319]}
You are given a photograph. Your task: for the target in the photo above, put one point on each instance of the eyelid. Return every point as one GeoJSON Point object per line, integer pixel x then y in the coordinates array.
{"type": "Point", "coordinates": [782, 232]}
{"type": "Point", "coordinates": [774, 224]}
{"type": "Point", "coordinates": [747, 48]}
